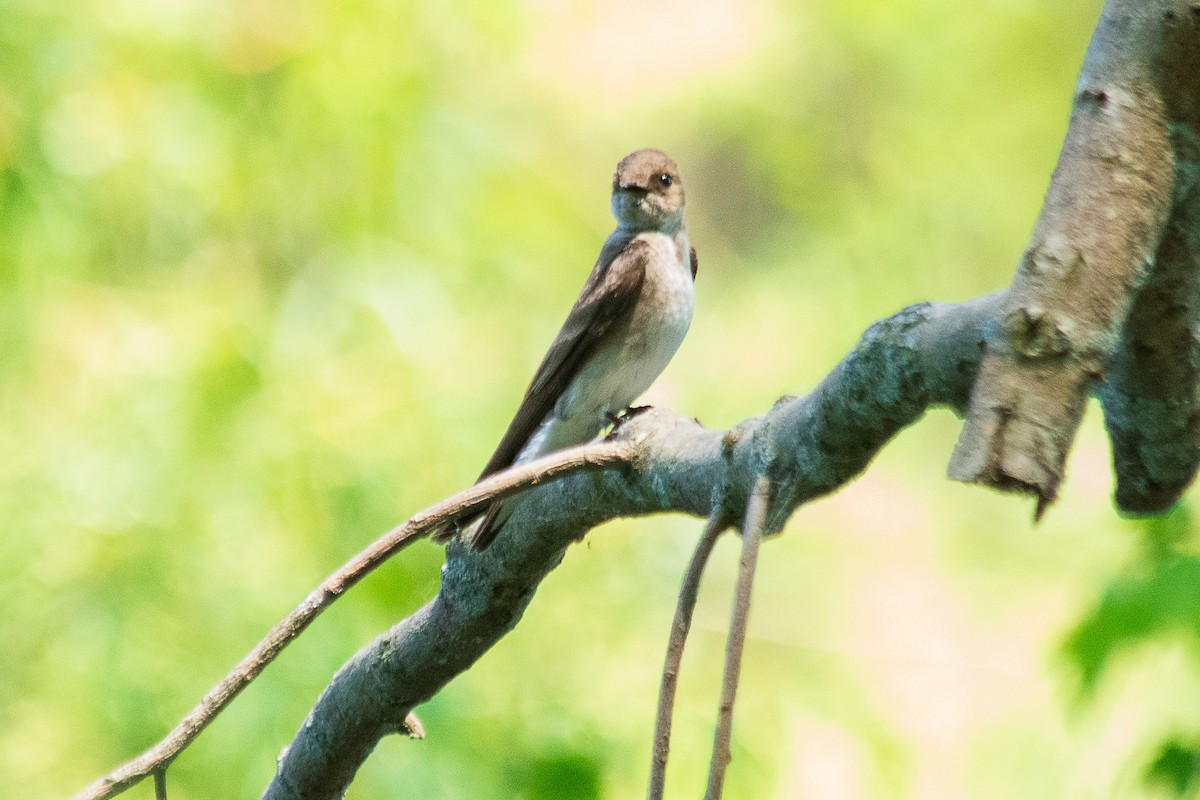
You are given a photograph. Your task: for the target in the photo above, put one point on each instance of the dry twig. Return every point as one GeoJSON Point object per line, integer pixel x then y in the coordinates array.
{"type": "Point", "coordinates": [752, 534]}
{"type": "Point", "coordinates": [596, 456]}
{"type": "Point", "coordinates": [679, 631]}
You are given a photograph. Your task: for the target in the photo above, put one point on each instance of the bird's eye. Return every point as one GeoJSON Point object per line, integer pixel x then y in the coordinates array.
{"type": "Point", "coordinates": [665, 180]}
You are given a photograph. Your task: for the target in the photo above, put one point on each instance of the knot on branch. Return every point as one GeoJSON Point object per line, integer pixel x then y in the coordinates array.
{"type": "Point", "coordinates": [1053, 258]}
{"type": "Point", "coordinates": [1035, 332]}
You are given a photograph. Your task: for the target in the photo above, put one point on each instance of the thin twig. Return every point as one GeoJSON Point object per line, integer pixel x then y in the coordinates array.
{"type": "Point", "coordinates": [752, 532]}
{"type": "Point", "coordinates": [160, 784]}
{"type": "Point", "coordinates": [594, 456]}
{"type": "Point", "coordinates": [679, 631]}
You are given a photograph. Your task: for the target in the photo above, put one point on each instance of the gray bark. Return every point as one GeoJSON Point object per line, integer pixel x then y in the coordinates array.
{"type": "Point", "coordinates": [922, 356]}
{"type": "Point", "coordinates": [1092, 248]}
{"type": "Point", "coordinates": [1151, 400]}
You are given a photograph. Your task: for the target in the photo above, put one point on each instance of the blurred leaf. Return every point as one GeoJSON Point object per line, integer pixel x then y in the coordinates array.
{"type": "Point", "coordinates": [1155, 596]}
{"type": "Point", "coordinates": [570, 776]}
{"type": "Point", "coordinates": [1176, 768]}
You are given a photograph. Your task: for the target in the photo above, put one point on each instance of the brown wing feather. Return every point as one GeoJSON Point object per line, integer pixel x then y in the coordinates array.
{"type": "Point", "coordinates": [609, 293]}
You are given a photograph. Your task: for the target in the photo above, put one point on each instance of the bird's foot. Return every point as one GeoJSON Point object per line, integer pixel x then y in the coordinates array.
{"type": "Point", "coordinates": [617, 420]}
{"type": "Point", "coordinates": [634, 411]}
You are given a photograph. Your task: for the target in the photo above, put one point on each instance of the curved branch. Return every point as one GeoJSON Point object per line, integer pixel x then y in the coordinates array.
{"type": "Point", "coordinates": [924, 355]}
{"type": "Point", "coordinates": [155, 761]}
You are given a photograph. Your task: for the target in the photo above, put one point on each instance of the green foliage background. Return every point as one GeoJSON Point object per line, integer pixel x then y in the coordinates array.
{"type": "Point", "coordinates": [274, 274]}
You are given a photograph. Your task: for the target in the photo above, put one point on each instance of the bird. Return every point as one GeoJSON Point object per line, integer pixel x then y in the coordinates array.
{"type": "Point", "coordinates": [630, 318]}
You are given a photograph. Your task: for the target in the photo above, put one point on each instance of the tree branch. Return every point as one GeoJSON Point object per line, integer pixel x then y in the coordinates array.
{"type": "Point", "coordinates": [924, 355]}
{"type": "Point", "coordinates": [1091, 249]}
{"type": "Point", "coordinates": [680, 626]}
{"type": "Point", "coordinates": [752, 533]}
{"type": "Point", "coordinates": [602, 455]}
{"type": "Point", "coordinates": [1152, 396]}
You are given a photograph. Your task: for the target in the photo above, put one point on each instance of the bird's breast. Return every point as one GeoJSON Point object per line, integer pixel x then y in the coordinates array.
{"type": "Point", "coordinates": [633, 355]}
{"type": "Point", "coordinates": [664, 308]}
{"type": "Point", "coordinates": [657, 324]}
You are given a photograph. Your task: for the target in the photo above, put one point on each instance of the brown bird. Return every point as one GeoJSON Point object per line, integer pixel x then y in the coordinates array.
{"type": "Point", "coordinates": [629, 320]}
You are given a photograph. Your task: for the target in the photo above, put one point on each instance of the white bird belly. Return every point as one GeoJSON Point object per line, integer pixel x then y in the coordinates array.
{"type": "Point", "coordinates": [635, 354]}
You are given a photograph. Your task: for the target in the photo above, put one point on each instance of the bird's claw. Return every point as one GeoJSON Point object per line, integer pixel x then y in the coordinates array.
{"type": "Point", "coordinates": [617, 420]}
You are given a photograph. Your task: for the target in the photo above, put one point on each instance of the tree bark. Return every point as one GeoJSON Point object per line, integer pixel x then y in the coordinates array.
{"type": "Point", "coordinates": [924, 355]}
{"type": "Point", "coordinates": [1152, 396]}
{"type": "Point", "coordinates": [1091, 250]}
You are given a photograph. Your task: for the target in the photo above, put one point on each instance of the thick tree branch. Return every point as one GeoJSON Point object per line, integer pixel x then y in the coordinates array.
{"type": "Point", "coordinates": [924, 355]}
{"type": "Point", "coordinates": [1091, 249]}
{"type": "Point", "coordinates": [1152, 395]}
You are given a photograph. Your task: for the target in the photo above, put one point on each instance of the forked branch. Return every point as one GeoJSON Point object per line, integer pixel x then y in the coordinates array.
{"type": "Point", "coordinates": [1093, 248]}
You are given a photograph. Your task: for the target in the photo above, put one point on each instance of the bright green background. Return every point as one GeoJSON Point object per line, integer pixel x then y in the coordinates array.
{"type": "Point", "coordinates": [274, 274]}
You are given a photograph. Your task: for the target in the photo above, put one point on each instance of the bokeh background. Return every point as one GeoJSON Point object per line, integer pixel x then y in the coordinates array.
{"type": "Point", "coordinates": [274, 274]}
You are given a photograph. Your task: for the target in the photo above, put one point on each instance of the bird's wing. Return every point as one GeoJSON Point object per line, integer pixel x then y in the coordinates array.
{"type": "Point", "coordinates": [607, 296]}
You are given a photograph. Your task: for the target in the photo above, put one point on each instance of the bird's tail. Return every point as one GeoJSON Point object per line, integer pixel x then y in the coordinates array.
{"type": "Point", "coordinates": [489, 526]}
{"type": "Point", "coordinates": [479, 531]}
{"type": "Point", "coordinates": [444, 533]}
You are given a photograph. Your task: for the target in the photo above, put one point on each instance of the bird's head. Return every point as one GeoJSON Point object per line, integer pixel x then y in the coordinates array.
{"type": "Point", "coordinates": [648, 192]}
